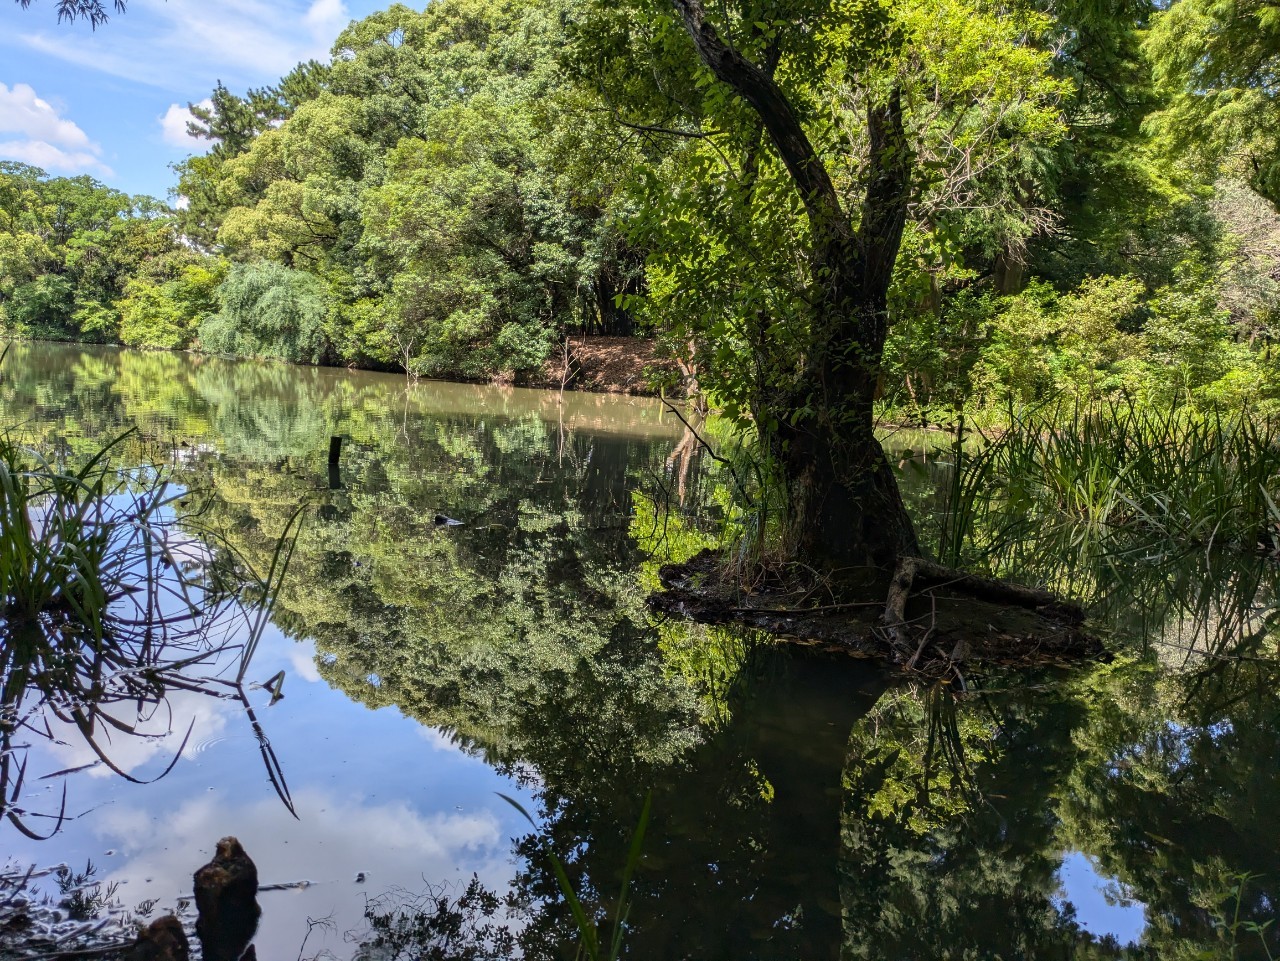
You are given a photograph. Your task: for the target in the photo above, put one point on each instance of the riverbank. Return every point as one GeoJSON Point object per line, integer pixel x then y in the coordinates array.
{"type": "Point", "coordinates": [611, 365]}
{"type": "Point", "coordinates": [602, 365]}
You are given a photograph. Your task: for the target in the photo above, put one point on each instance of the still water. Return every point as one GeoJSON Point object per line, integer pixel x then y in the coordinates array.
{"type": "Point", "coordinates": [803, 805]}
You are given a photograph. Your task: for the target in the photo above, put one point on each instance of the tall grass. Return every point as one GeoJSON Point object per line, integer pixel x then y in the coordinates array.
{"type": "Point", "coordinates": [1117, 477]}
{"type": "Point", "coordinates": [1122, 507]}
{"type": "Point", "coordinates": [111, 595]}
{"type": "Point", "coordinates": [594, 944]}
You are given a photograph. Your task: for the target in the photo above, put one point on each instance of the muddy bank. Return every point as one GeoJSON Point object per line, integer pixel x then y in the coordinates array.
{"type": "Point", "coordinates": [927, 621]}
{"type": "Point", "coordinates": [614, 365]}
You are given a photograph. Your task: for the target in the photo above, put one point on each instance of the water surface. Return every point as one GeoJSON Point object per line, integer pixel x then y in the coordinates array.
{"type": "Point", "coordinates": [802, 805]}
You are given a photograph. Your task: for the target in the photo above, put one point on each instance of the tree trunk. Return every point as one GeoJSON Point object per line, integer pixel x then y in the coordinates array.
{"type": "Point", "coordinates": [842, 496]}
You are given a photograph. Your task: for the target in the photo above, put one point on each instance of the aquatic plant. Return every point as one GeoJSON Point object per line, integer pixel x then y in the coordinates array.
{"type": "Point", "coordinates": [1118, 476]}
{"type": "Point", "coordinates": [111, 595]}
{"type": "Point", "coordinates": [442, 922]}
{"type": "Point", "coordinates": [592, 944]}
{"type": "Point", "coordinates": [1161, 515]}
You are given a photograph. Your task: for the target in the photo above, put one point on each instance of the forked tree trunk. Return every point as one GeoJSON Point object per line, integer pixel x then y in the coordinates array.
{"type": "Point", "coordinates": [843, 498]}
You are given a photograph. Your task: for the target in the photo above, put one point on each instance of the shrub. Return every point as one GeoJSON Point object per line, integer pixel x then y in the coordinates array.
{"type": "Point", "coordinates": [270, 311]}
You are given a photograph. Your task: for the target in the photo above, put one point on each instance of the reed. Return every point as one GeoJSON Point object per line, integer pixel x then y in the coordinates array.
{"type": "Point", "coordinates": [1167, 516]}
{"type": "Point", "coordinates": [111, 595]}
{"type": "Point", "coordinates": [594, 944]}
{"type": "Point", "coordinates": [1116, 477]}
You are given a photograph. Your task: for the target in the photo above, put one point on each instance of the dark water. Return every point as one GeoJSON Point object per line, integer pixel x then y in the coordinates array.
{"type": "Point", "coordinates": [802, 805]}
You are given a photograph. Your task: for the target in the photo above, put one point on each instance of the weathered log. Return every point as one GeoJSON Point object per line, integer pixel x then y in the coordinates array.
{"type": "Point", "coordinates": [999, 592]}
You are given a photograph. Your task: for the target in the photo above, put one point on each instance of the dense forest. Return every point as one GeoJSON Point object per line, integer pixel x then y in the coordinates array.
{"type": "Point", "coordinates": [1089, 208]}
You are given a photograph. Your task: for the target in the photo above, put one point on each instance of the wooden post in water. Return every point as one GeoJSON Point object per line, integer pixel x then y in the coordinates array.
{"type": "Point", "coordinates": [335, 455]}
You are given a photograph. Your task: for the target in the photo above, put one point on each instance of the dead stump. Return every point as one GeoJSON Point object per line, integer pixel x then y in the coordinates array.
{"type": "Point", "coordinates": [162, 940]}
{"type": "Point", "coordinates": [226, 891]}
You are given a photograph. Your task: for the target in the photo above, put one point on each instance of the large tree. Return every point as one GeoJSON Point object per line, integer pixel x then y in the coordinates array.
{"type": "Point", "coordinates": [842, 491]}
{"type": "Point", "coordinates": [838, 125]}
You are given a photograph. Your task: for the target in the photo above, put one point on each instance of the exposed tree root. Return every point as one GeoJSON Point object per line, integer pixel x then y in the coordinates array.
{"type": "Point", "coordinates": [928, 619]}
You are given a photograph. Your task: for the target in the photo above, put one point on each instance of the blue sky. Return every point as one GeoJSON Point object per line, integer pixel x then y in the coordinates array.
{"type": "Point", "coordinates": [111, 103]}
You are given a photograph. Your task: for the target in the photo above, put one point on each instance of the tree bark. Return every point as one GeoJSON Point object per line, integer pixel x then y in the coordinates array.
{"type": "Point", "coordinates": [842, 494]}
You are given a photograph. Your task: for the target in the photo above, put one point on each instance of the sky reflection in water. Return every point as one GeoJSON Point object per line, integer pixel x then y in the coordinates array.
{"type": "Point", "coordinates": [376, 793]}
{"type": "Point", "coordinates": [1100, 903]}
{"type": "Point", "coordinates": [802, 807]}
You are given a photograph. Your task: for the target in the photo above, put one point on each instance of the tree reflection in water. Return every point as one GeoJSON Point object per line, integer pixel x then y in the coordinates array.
{"type": "Point", "coordinates": [803, 805]}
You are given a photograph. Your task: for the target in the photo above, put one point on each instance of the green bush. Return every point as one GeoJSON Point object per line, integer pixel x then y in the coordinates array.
{"type": "Point", "coordinates": [167, 315]}
{"type": "Point", "coordinates": [42, 308]}
{"type": "Point", "coordinates": [269, 310]}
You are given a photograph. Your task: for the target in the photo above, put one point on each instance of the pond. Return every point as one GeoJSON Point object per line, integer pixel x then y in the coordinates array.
{"type": "Point", "coordinates": [802, 804]}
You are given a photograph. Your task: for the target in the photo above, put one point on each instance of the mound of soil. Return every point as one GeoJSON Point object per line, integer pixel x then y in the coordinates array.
{"type": "Point", "coordinates": [934, 622]}
{"type": "Point", "coordinates": [616, 365]}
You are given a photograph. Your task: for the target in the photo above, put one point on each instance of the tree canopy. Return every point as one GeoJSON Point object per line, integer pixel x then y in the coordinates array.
{"type": "Point", "coordinates": [472, 182]}
{"type": "Point", "coordinates": [822, 213]}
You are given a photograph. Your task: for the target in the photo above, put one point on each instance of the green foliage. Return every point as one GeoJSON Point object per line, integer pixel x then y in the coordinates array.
{"type": "Point", "coordinates": [41, 308]}
{"type": "Point", "coordinates": [1213, 60]}
{"type": "Point", "coordinates": [270, 311]}
{"type": "Point", "coordinates": [471, 182]}
{"type": "Point", "coordinates": [436, 178]}
{"type": "Point", "coordinates": [167, 315]}
{"type": "Point", "coordinates": [75, 255]}
{"type": "Point", "coordinates": [480, 272]}
{"type": "Point", "coordinates": [56, 550]}
{"type": "Point", "coordinates": [1040, 344]}
{"type": "Point", "coordinates": [729, 244]}
{"type": "Point", "coordinates": [1191, 341]}
{"type": "Point", "coordinates": [1083, 489]}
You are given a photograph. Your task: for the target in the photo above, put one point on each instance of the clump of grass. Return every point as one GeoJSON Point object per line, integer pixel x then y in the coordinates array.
{"type": "Point", "coordinates": [1116, 478]}
{"type": "Point", "coordinates": [110, 594]}
{"type": "Point", "coordinates": [1165, 516]}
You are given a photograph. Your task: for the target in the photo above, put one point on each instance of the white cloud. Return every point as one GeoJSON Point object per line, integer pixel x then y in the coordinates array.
{"type": "Point", "coordinates": [303, 659]}
{"type": "Point", "coordinates": [337, 836]}
{"type": "Point", "coordinates": [190, 44]}
{"type": "Point", "coordinates": [51, 158]}
{"type": "Point", "coordinates": [174, 125]}
{"type": "Point", "coordinates": [22, 112]}
{"type": "Point", "coordinates": [44, 137]}
{"type": "Point", "coordinates": [325, 19]}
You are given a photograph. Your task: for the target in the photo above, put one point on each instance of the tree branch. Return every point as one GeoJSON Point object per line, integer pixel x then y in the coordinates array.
{"type": "Point", "coordinates": [754, 85]}
{"type": "Point", "coordinates": [884, 208]}
{"type": "Point", "coordinates": [668, 131]}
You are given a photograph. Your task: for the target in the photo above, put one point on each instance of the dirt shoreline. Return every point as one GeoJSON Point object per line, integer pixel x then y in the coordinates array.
{"type": "Point", "coordinates": [611, 365]}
